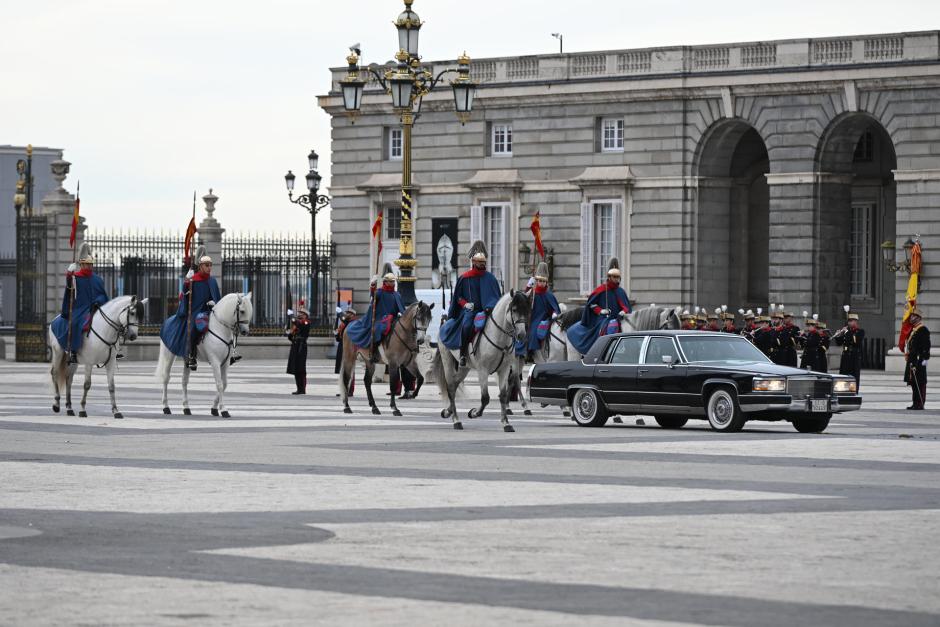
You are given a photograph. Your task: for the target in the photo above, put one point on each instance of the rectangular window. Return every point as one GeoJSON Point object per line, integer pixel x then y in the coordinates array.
{"type": "Point", "coordinates": [861, 251]}
{"type": "Point", "coordinates": [502, 139]}
{"type": "Point", "coordinates": [493, 238]}
{"type": "Point", "coordinates": [603, 238]}
{"type": "Point", "coordinates": [612, 135]}
{"type": "Point", "coordinates": [392, 223]}
{"type": "Point", "coordinates": [394, 143]}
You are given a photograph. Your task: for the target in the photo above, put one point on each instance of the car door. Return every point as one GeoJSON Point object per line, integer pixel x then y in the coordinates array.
{"type": "Point", "coordinates": [661, 385]}
{"type": "Point", "coordinates": [616, 377]}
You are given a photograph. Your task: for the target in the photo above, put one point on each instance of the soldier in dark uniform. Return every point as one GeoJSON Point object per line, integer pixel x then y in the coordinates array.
{"type": "Point", "coordinates": [728, 326]}
{"type": "Point", "coordinates": [811, 341]}
{"type": "Point", "coordinates": [850, 338]}
{"type": "Point", "coordinates": [765, 339]}
{"type": "Point", "coordinates": [713, 321]}
{"type": "Point", "coordinates": [917, 352]}
{"type": "Point", "coordinates": [788, 335]}
{"type": "Point", "coordinates": [701, 321]}
{"type": "Point", "coordinates": [297, 360]}
{"type": "Point", "coordinates": [688, 321]}
{"type": "Point", "coordinates": [747, 331]}
{"type": "Point", "coordinates": [776, 327]}
{"type": "Point", "coordinates": [825, 340]}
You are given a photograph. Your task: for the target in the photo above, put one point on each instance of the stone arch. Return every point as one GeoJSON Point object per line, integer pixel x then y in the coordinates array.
{"type": "Point", "coordinates": [732, 216]}
{"type": "Point", "coordinates": [856, 211]}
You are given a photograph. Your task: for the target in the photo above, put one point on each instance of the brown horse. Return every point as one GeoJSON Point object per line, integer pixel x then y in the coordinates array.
{"type": "Point", "coordinates": [398, 350]}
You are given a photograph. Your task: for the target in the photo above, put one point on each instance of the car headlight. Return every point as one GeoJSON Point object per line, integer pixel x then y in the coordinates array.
{"type": "Point", "coordinates": [844, 386]}
{"type": "Point", "coordinates": [769, 384]}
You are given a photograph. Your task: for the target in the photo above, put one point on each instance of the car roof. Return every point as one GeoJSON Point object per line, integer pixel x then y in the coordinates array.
{"type": "Point", "coordinates": [676, 333]}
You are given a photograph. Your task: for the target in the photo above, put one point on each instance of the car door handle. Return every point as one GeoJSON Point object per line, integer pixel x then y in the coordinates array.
{"type": "Point", "coordinates": [642, 370]}
{"type": "Point", "coordinates": [603, 369]}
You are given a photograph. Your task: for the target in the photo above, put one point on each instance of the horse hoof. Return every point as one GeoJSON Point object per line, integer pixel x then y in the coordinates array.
{"type": "Point", "coordinates": [527, 412]}
{"type": "Point", "coordinates": [509, 412]}
{"type": "Point", "coordinates": [566, 414]}
{"type": "Point", "coordinates": [458, 426]}
{"type": "Point", "coordinates": [346, 410]}
{"type": "Point", "coordinates": [166, 410]}
{"type": "Point", "coordinates": [508, 429]}
{"type": "Point", "coordinates": [83, 414]}
{"type": "Point", "coordinates": [55, 408]}
{"type": "Point", "coordinates": [119, 415]}
{"type": "Point", "coordinates": [396, 413]}
{"type": "Point", "coordinates": [445, 414]}
{"type": "Point", "coordinates": [376, 412]}
{"type": "Point", "coordinates": [214, 411]}
{"type": "Point", "coordinates": [225, 414]}
{"type": "Point", "coordinates": [187, 411]}
{"type": "Point", "coordinates": [474, 413]}
{"type": "Point", "coordinates": [69, 412]}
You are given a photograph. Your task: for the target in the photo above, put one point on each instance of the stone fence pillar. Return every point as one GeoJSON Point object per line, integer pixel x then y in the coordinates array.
{"type": "Point", "coordinates": [57, 208]}
{"type": "Point", "coordinates": [210, 235]}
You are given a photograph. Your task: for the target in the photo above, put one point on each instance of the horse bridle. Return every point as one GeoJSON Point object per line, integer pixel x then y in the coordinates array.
{"type": "Point", "coordinates": [117, 327]}
{"type": "Point", "coordinates": [414, 332]}
{"type": "Point", "coordinates": [502, 349]}
{"type": "Point", "coordinates": [231, 327]}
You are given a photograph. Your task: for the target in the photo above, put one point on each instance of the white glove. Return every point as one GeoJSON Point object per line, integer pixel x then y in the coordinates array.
{"type": "Point", "coordinates": [290, 312]}
{"type": "Point", "coordinates": [73, 267]}
{"type": "Point", "coordinates": [530, 283]}
{"type": "Point", "coordinates": [923, 363]}
{"type": "Point", "coordinates": [210, 303]}
{"type": "Point", "coordinates": [468, 306]}
{"type": "Point", "coordinates": [554, 315]}
{"type": "Point", "coordinates": [623, 314]}
{"type": "Point", "coordinates": [190, 274]}
{"type": "Point", "coordinates": [605, 312]}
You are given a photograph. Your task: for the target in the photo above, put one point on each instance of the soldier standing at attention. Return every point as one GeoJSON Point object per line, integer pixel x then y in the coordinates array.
{"type": "Point", "coordinates": [850, 338]}
{"type": "Point", "coordinates": [765, 339]}
{"type": "Point", "coordinates": [688, 321]}
{"type": "Point", "coordinates": [789, 335]}
{"type": "Point", "coordinates": [713, 321]}
{"type": "Point", "coordinates": [917, 352]}
{"type": "Point", "coordinates": [297, 360]}
{"type": "Point", "coordinates": [825, 341]}
{"type": "Point", "coordinates": [749, 327]}
{"type": "Point", "coordinates": [729, 323]}
{"type": "Point", "coordinates": [776, 327]}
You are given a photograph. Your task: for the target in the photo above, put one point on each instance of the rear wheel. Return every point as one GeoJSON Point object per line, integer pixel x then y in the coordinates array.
{"type": "Point", "coordinates": [671, 422]}
{"type": "Point", "coordinates": [724, 413]}
{"type": "Point", "coordinates": [588, 409]}
{"type": "Point", "coordinates": [812, 425]}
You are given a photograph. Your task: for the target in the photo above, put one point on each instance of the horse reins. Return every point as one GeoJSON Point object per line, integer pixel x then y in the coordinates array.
{"type": "Point", "coordinates": [502, 349]}
{"type": "Point", "coordinates": [233, 343]}
{"type": "Point", "coordinates": [120, 329]}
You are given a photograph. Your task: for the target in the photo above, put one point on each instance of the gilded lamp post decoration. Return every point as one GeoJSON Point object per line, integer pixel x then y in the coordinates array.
{"type": "Point", "coordinates": [408, 84]}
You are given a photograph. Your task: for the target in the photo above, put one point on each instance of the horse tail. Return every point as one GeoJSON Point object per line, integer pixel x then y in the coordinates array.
{"type": "Point", "coordinates": [437, 371]}
{"type": "Point", "coordinates": [60, 370]}
{"type": "Point", "coordinates": [162, 365]}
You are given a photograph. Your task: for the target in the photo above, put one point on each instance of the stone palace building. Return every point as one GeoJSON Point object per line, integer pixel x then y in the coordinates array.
{"type": "Point", "coordinates": [739, 174]}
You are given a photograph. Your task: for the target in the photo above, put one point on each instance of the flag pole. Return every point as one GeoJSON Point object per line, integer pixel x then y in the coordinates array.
{"type": "Point", "coordinates": [72, 289]}
{"type": "Point", "coordinates": [374, 296]}
{"type": "Point", "coordinates": [189, 307]}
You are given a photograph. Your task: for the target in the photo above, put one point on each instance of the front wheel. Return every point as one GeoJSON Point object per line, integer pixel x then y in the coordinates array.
{"type": "Point", "coordinates": [588, 408]}
{"type": "Point", "coordinates": [812, 425]}
{"type": "Point", "coordinates": [724, 413]}
{"type": "Point", "coordinates": [671, 422]}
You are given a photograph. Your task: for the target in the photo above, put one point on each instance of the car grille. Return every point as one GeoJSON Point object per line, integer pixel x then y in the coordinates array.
{"type": "Point", "coordinates": [809, 387]}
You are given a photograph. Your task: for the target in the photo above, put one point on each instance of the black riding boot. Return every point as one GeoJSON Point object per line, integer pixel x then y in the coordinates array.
{"type": "Point", "coordinates": [191, 362]}
{"type": "Point", "coordinates": [73, 357]}
{"type": "Point", "coordinates": [464, 354]}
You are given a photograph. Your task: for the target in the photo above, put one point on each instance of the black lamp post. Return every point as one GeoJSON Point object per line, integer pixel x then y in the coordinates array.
{"type": "Point", "coordinates": [312, 202]}
{"type": "Point", "coordinates": [408, 84]}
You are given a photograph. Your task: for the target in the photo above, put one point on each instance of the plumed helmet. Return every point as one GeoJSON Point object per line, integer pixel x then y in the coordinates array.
{"type": "Point", "coordinates": [302, 308]}
{"type": "Point", "coordinates": [613, 268]}
{"type": "Point", "coordinates": [541, 271]}
{"type": "Point", "coordinates": [200, 253]}
{"type": "Point", "coordinates": [853, 316]}
{"type": "Point", "coordinates": [205, 259]}
{"type": "Point", "coordinates": [477, 251]}
{"type": "Point", "coordinates": [84, 254]}
{"type": "Point", "coordinates": [389, 276]}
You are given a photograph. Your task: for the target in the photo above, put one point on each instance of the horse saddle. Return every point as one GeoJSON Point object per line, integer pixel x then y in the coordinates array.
{"type": "Point", "coordinates": [201, 322]}
{"type": "Point", "coordinates": [479, 321]}
{"type": "Point", "coordinates": [541, 331]}
{"type": "Point", "coordinates": [612, 327]}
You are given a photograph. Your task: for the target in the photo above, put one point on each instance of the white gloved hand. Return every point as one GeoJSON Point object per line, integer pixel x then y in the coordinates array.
{"type": "Point", "coordinates": [468, 306]}
{"type": "Point", "coordinates": [73, 267]}
{"type": "Point", "coordinates": [923, 363]}
{"type": "Point", "coordinates": [605, 312]}
{"type": "Point", "coordinates": [190, 274]}
{"type": "Point", "coordinates": [554, 316]}
{"type": "Point", "coordinates": [531, 282]}
{"type": "Point", "coordinates": [290, 312]}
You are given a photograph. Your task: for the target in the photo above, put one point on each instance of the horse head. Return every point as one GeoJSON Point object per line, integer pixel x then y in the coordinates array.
{"type": "Point", "coordinates": [519, 311]}
{"type": "Point", "coordinates": [669, 318]}
{"type": "Point", "coordinates": [422, 319]}
{"type": "Point", "coordinates": [243, 313]}
{"type": "Point", "coordinates": [135, 314]}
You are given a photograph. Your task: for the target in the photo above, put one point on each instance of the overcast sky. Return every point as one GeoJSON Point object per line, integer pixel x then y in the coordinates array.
{"type": "Point", "coordinates": [153, 99]}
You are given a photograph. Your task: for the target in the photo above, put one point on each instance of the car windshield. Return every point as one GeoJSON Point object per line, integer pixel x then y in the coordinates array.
{"type": "Point", "coordinates": [722, 349]}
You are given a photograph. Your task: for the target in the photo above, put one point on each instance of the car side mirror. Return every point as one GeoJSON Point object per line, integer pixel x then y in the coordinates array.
{"type": "Point", "coordinates": [667, 359]}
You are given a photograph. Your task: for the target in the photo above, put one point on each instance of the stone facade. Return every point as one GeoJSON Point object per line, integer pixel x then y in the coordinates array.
{"type": "Point", "coordinates": [748, 173]}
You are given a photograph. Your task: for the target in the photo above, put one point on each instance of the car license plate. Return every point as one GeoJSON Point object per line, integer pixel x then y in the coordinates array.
{"type": "Point", "coordinates": [820, 405]}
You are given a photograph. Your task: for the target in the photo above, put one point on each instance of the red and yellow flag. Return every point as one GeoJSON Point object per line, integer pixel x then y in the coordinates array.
{"type": "Point", "coordinates": [912, 286]}
{"type": "Point", "coordinates": [188, 241]}
{"type": "Point", "coordinates": [536, 228]}
{"type": "Point", "coordinates": [75, 217]}
{"type": "Point", "coordinates": [377, 230]}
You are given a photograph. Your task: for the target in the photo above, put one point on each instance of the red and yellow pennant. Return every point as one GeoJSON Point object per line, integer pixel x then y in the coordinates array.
{"type": "Point", "coordinates": [377, 230]}
{"type": "Point", "coordinates": [536, 228]}
{"type": "Point", "coordinates": [75, 216]}
{"type": "Point", "coordinates": [912, 287]}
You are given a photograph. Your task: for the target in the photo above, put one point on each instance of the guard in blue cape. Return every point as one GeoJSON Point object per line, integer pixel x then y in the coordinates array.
{"type": "Point", "coordinates": [387, 305]}
{"type": "Point", "coordinates": [89, 296]}
{"type": "Point", "coordinates": [204, 290]}
{"type": "Point", "coordinates": [475, 295]}
{"type": "Point", "coordinates": [544, 309]}
{"type": "Point", "coordinates": [601, 314]}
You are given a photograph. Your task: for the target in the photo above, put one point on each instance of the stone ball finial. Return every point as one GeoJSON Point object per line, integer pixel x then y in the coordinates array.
{"type": "Point", "coordinates": [60, 170]}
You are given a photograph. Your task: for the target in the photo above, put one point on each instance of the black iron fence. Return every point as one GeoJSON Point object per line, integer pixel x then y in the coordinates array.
{"type": "Point", "coordinates": [7, 292]}
{"type": "Point", "coordinates": [277, 270]}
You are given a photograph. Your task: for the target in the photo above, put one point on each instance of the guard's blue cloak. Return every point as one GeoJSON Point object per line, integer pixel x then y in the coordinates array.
{"type": "Point", "coordinates": [479, 288]}
{"type": "Point", "coordinates": [543, 306]}
{"type": "Point", "coordinates": [387, 303]}
{"type": "Point", "coordinates": [583, 334]}
{"type": "Point", "coordinates": [89, 290]}
{"type": "Point", "coordinates": [173, 332]}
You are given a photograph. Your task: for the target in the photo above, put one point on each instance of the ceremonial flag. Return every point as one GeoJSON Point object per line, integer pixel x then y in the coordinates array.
{"type": "Point", "coordinates": [912, 286]}
{"type": "Point", "coordinates": [536, 228]}
{"type": "Point", "coordinates": [377, 230]}
{"type": "Point", "coordinates": [75, 216]}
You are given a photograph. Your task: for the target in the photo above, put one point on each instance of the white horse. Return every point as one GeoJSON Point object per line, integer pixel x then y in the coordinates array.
{"type": "Point", "coordinates": [650, 318]}
{"type": "Point", "coordinates": [554, 349]}
{"type": "Point", "coordinates": [492, 354]}
{"type": "Point", "coordinates": [230, 317]}
{"type": "Point", "coordinates": [115, 321]}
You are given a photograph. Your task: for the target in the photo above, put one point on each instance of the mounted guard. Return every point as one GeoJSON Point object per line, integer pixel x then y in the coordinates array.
{"type": "Point", "coordinates": [544, 309]}
{"type": "Point", "coordinates": [386, 306]}
{"type": "Point", "coordinates": [182, 332]}
{"type": "Point", "coordinates": [475, 295]}
{"type": "Point", "coordinates": [601, 314]}
{"type": "Point", "coordinates": [84, 294]}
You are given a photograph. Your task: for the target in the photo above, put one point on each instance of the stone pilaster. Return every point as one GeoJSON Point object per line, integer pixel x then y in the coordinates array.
{"type": "Point", "coordinates": [210, 235]}
{"type": "Point", "coordinates": [58, 207]}
{"type": "Point", "coordinates": [791, 245]}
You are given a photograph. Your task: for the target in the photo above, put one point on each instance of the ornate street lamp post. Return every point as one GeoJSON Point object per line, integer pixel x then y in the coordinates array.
{"type": "Point", "coordinates": [408, 84]}
{"type": "Point", "coordinates": [312, 202]}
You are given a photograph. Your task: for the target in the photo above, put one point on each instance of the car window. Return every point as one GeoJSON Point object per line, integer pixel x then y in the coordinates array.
{"type": "Point", "coordinates": [720, 349]}
{"type": "Point", "coordinates": [658, 347]}
{"type": "Point", "coordinates": [627, 351]}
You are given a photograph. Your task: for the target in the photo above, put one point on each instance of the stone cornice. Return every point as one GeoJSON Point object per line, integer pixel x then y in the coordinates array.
{"type": "Point", "coordinates": [490, 179]}
{"type": "Point", "coordinates": [803, 178]}
{"type": "Point", "coordinates": [604, 175]}
{"type": "Point", "coordinates": [916, 175]}
{"type": "Point", "coordinates": [384, 183]}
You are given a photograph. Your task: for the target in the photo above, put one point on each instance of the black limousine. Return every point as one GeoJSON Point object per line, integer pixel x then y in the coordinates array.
{"type": "Point", "coordinates": [678, 375]}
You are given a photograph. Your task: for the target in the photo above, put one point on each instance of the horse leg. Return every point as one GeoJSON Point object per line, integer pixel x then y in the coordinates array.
{"type": "Point", "coordinates": [419, 379]}
{"type": "Point", "coordinates": [367, 379]}
{"type": "Point", "coordinates": [394, 379]}
{"type": "Point", "coordinates": [86, 387]}
{"type": "Point", "coordinates": [482, 375]}
{"type": "Point", "coordinates": [504, 383]}
{"type": "Point", "coordinates": [217, 403]}
{"type": "Point", "coordinates": [54, 371]}
{"type": "Point", "coordinates": [185, 382]}
{"type": "Point", "coordinates": [164, 368]}
{"type": "Point", "coordinates": [69, 377]}
{"type": "Point", "coordinates": [347, 373]}
{"type": "Point", "coordinates": [110, 373]}
{"type": "Point", "coordinates": [223, 372]}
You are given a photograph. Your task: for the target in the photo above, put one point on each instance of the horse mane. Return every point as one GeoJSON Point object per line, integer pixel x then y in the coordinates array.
{"type": "Point", "coordinates": [520, 300]}
{"type": "Point", "coordinates": [568, 318]}
{"type": "Point", "coordinates": [117, 303]}
{"type": "Point", "coordinates": [647, 318]}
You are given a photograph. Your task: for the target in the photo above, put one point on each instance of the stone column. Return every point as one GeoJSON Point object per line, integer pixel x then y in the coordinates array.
{"type": "Point", "coordinates": [792, 242]}
{"type": "Point", "coordinates": [210, 235]}
{"type": "Point", "coordinates": [58, 207]}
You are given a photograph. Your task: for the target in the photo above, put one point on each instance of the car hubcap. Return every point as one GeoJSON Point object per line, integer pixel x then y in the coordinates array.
{"type": "Point", "coordinates": [722, 409]}
{"type": "Point", "coordinates": [586, 405]}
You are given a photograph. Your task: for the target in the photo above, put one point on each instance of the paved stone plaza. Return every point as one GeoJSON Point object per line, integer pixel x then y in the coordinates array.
{"type": "Point", "coordinates": [292, 513]}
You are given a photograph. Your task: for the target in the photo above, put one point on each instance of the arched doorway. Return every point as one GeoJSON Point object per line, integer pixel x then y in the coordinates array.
{"type": "Point", "coordinates": [732, 225]}
{"type": "Point", "coordinates": [856, 211]}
